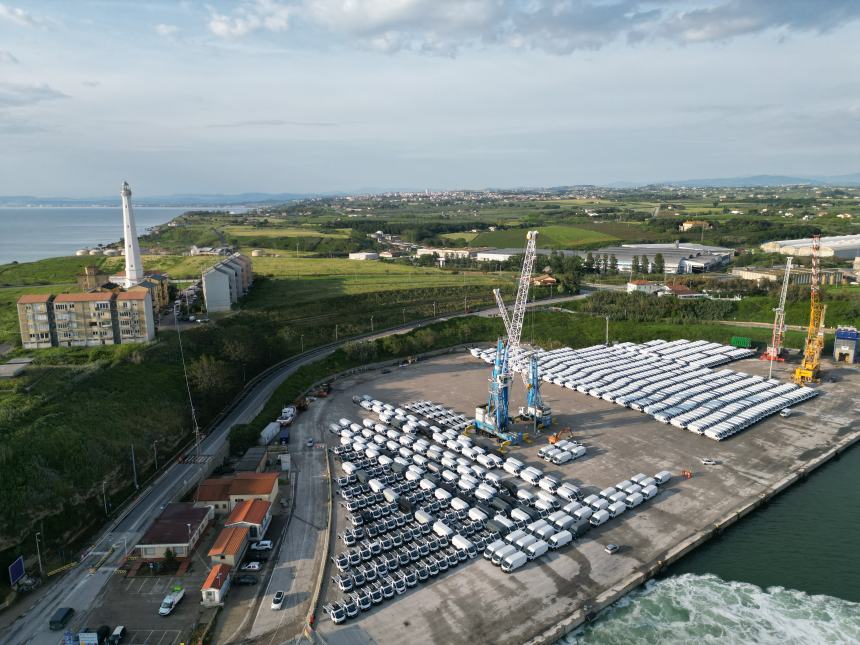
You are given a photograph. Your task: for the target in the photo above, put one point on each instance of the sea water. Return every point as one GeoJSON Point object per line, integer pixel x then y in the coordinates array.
{"type": "Point", "coordinates": [28, 234]}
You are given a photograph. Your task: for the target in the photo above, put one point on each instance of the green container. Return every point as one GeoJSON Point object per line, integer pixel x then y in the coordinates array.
{"type": "Point", "coordinates": [741, 341]}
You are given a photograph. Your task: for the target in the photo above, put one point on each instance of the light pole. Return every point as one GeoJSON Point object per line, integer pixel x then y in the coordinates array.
{"type": "Point", "coordinates": [155, 451]}
{"type": "Point", "coordinates": [404, 316]}
{"type": "Point", "coordinates": [188, 548]}
{"type": "Point", "coordinates": [335, 331]}
{"type": "Point", "coordinates": [303, 343]}
{"type": "Point", "coordinates": [607, 331]}
{"type": "Point", "coordinates": [104, 496]}
{"type": "Point", "coordinates": [371, 324]}
{"type": "Point", "coordinates": [434, 308]}
{"type": "Point", "coordinates": [39, 554]}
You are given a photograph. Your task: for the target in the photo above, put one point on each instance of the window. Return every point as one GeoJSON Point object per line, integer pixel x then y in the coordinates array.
{"type": "Point", "coordinates": [149, 550]}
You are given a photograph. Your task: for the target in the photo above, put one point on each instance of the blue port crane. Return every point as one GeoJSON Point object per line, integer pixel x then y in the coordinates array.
{"type": "Point", "coordinates": [494, 418]}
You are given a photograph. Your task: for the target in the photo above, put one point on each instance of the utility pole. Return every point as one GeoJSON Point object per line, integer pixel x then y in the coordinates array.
{"type": "Point", "coordinates": [465, 307]}
{"type": "Point", "coordinates": [371, 324]}
{"type": "Point", "coordinates": [404, 316]}
{"type": "Point", "coordinates": [607, 331]}
{"type": "Point", "coordinates": [155, 451]}
{"type": "Point", "coordinates": [335, 331]}
{"type": "Point", "coordinates": [134, 467]}
{"type": "Point", "coordinates": [104, 496]}
{"type": "Point", "coordinates": [39, 555]}
{"type": "Point", "coordinates": [434, 308]}
{"type": "Point", "coordinates": [303, 343]}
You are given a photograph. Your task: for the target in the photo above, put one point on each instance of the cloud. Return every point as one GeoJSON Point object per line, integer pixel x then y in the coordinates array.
{"type": "Point", "coordinates": [8, 57]}
{"type": "Point", "coordinates": [556, 26]}
{"type": "Point", "coordinates": [91, 83]}
{"type": "Point", "coordinates": [261, 14]}
{"type": "Point", "coordinates": [166, 30]}
{"type": "Point", "coordinates": [272, 123]}
{"type": "Point", "coordinates": [18, 16]}
{"type": "Point", "coordinates": [16, 95]}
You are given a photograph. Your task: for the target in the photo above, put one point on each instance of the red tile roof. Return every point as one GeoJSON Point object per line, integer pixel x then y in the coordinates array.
{"type": "Point", "coordinates": [217, 576]}
{"type": "Point", "coordinates": [253, 483]}
{"type": "Point", "coordinates": [230, 541]}
{"type": "Point", "coordinates": [251, 511]}
{"type": "Point", "coordinates": [680, 289]}
{"type": "Point", "coordinates": [137, 294]}
{"type": "Point", "coordinates": [641, 282]}
{"type": "Point", "coordinates": [33, 298]}
{"type": "Point", "coordinates": [214, 490]}
{"type": "Point", "coordinates": [171, 526]}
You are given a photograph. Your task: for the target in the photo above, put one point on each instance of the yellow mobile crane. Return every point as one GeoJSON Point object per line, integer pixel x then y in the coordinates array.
{"type": "Point", "coordinates": [810, 365]}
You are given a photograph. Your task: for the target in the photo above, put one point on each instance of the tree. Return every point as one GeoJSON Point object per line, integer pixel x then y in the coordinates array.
{"type": "Point", "coordinates": [605, 264]}
{"type": "Point", "coordinates": [659, 265]}
{"type": "Point", "coordinates": [634, 265]}
{"type": "Point", "coordinates": [613, 264]}
{"type": "Point", "coordinates": [209, 376]}
{"type": "Point", "coordinates": [170, 562]}
{"type": "Point", "coordinates": [589, 263]}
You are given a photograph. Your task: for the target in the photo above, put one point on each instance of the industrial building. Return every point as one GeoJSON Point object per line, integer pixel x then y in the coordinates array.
{"type": "Point", "coordinates": [226, 282]}
{"type": "Point", "coordinates": [364, 255]}
{"type": "Point", "coordinates": [840, 246]}
{"type": "Point", "coordinates": [846, 346]}
{"type": "Point", "coordinates": [798, 275]}
{"type": "Point", "coordinates": [679, 257]}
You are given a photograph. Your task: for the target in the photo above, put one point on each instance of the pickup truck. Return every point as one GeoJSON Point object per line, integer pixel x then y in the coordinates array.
{"type": "Point", "coordinates": [170, 601]}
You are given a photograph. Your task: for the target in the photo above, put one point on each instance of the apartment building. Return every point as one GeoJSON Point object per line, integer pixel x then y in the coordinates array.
{"type": "Point", "coordinates": [136, 322]}
{"type": "Point", "coordinates": [86, 319]}
{"type": "Point", "coordinates": [36, 321]}
{"type": "Point", "coordinates": [226, 282]}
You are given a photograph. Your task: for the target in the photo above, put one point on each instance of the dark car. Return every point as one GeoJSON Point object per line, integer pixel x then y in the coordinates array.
{"type": "Point", "coordinates": [245, 580]}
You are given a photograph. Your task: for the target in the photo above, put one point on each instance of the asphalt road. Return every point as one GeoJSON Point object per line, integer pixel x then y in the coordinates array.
{"type": "Point", "coordinates": [79, 587]}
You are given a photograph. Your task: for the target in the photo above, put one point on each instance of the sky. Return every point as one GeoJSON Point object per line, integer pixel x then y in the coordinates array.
{"type": "Point", "coordinates": [352, 95]}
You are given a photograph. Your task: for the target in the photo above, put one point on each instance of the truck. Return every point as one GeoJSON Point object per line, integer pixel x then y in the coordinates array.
{"type": "Point", "coordinates": [171, 600]}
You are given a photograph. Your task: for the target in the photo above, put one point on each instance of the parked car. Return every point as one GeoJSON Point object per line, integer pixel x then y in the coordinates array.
{"type": "Point", "coordinates": [612, 548]}
{"type": "Point", "coordinates": [246, 579]}
{"type": "Point", "coordinates": [251, 566]}
{"type": "Point", "coordinates": [262, 545]}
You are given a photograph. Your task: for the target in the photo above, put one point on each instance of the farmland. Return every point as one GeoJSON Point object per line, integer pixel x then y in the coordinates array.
{"type": "Point", "coordinates": [556, 237]}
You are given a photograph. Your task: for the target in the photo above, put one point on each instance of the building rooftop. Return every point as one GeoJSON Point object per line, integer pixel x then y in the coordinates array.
{"type": "Point", "coordinates": [230, 541]}
{"type": "Point", "coordinates": [253, 483]}
{"type": "Point", "coordinates": [217, 576]}
{"type": "Point", "coordinates": [98, 296]}
{"type": "Point", "coordinates": [680, 289]}
{"type": "Point", "coordinates": [136, 294]}
{"type": "Point", "coordinates": [171, 526]}
{"type": "Point", "coordinates": [251, 511]}
{"type": "Point", "coordinates": [214, 490]}
{"type": "Point", "coordinates": [34, 298]}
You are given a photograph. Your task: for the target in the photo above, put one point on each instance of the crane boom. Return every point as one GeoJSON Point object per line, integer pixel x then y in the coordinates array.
{"type": "Point", "coordinates": [775, 348]}
{"type": "Point", "coordinates": [810, 365]}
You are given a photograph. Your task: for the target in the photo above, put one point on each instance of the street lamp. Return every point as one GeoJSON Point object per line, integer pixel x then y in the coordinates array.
{"type": "Point", "coordinates": [155, 451]}
{"type": "Point", "coordinates": [303, 343]}
{"type": "Point", "coordinates": [188, 547]}
{"type": "Point", "coordinates": [335, 331]}
{"type": "Point", "coordinates": [39, 554]}
{"type": "Point", "coordinates": [404, 316]}
{"type": "Point", "coordinates": [104, 496]}
{"type": "Point", "coordinates": [371, 324]}
{"type": "Point", "coordinates": [607, 331]}
{"type": "Point", "coordinates": [434, 308]}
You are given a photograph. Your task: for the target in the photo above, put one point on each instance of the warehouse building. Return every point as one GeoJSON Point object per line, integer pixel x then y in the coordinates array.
{"type": "Point", "coordinates": [799, 275]}
{"type": "Point", "coordinates": [226, 282]}
{"type": "Point", "coordinates": [839, 246]}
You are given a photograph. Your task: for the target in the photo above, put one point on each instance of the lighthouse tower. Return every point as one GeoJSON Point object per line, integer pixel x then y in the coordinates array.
{"type": "Point", "coordinates": [133, 264]}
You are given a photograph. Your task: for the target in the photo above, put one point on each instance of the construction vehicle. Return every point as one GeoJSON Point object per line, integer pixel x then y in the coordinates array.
{"type": "Point", "coordinates": [774, 350]}
{"type": "Point", "coordinates": [810, 364]}
{"type": "Point", "coordinates": [555, 437]}
{"type": "Point", "coordinates": [493, 418]}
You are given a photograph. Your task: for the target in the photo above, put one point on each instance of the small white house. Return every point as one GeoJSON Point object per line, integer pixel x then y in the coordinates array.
{"type": "Point", "coordinates": [364, 255]}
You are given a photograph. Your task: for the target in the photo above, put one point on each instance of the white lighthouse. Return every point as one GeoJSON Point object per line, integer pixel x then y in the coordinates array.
{"type": "Point", "coordinates": [133, 263]}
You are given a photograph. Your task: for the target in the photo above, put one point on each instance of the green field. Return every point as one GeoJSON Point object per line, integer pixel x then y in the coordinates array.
{"type": "Point", "coordinates": [287, 231]}
{"type": "Point", "coordinates": [556, 236]}
{"type": "Point", "coordinates": [467, 236]}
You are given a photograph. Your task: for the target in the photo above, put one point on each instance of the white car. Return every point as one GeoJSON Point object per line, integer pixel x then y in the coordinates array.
{"type": "Point", "coordinates": [262, 545]}
{"type": "Point", "coordinates": [278, 600]}
{"type": "Point", "coordinates": [251, 566]}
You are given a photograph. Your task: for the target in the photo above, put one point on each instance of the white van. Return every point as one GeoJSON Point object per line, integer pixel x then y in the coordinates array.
{"type": "Point", "coordinates": [560, 539]}
{"type": "Point", "coordinates": [549, 484]}
{"type": "Point", "coordinates": [608, 492]}
{"type": "Point", "coordinates": [442, 530]}
{"type": "Point", "coordinates": [530, 476]}
{"type": "Point", "coordinates": [500, 554]}
{"type": "Point", "coordinates": [634, 500]}
{"type": "Point", "coordinates": [523, 542]}
{"type": "Point", "coordinates": [514, 561]}
{"type": "Point", "coordinates": [562, 457]}
{"type": "Point", "coordinates": [617, 509]}
{"type": "Point", "coordinates": [649, 491]}
{"type": "Point", "coordinates": [526, 496]}
{"type": "Point", "coordinates": [638, 477]}
{"type": "Point", "coordinates": [544, 533]}
{"type": "Point", "coordinates": [442, 495]}
{"type": "Point", "coordinates": [600, 505]}
{"type": "Point", "coordinates": [568, 491]}
{"type": "Point", "coordinates": [548, 497]}
{"type": "Point", "coordinates": [571, 507]}
{"type": "Point", "coordinates": [423, 517]}
{"type": "Point", "coordinates": [536, 550]}
{"type": "Point", "coordinates": [563, 522]}
{"type": "Point", "coordinates": [617, 497]}
{"type": "Point", "coordinates": [426, 484]}
{"type": "Point", "coordinates": [662, 477]}
{"type": "Point", "coordinates": [544, 506]}
{"type": "Point", "coordinates": [519, 516]}
{"type": "Point", "coordinates": [513, 536]}
{"type": "Point", "coordinates": [584, 513]}
{"type": "Point", "coordinates": [492, 547]}
{"type": "Point", "coordinates": [600, 517]}
{"type": "Point", "coordinates": [477, 515]}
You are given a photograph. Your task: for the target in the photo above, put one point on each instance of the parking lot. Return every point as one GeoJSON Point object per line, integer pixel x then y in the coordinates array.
{"type": "Point", "coordinates": [476, 601]}
{"type": "Point", "coordinates": [152, 636]}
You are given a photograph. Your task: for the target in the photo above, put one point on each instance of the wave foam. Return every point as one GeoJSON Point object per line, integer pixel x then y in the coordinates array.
{"type": "Point", "coordinates": [706, 609]}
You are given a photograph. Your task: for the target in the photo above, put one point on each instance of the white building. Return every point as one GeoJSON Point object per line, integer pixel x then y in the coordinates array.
{"type": "Point", "coordinates": [643, 286]}
{"type": "Point", "coordinates": [133, 263]}
{"type": "Point", "coordinates": [226, 282]}
{"type": "Point", "coordinates": [447, 254]}
{"type": "Point", "coordinates": [840, 246]}
{"type": "Point", "coordinates": [364, 255]}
